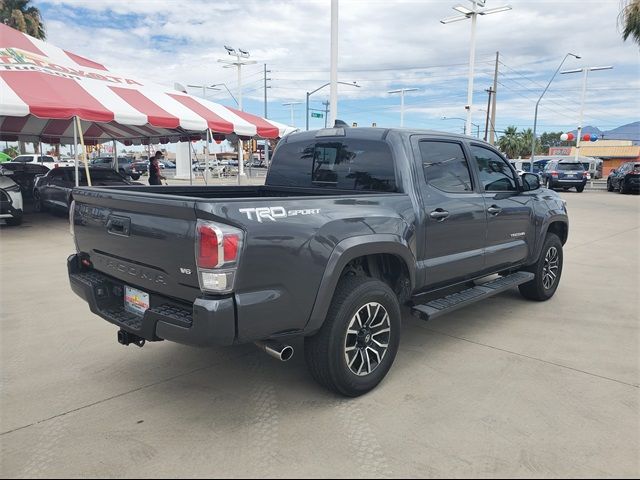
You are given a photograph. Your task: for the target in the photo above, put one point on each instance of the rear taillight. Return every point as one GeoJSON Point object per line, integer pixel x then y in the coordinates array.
{"type": "Point", "coordinates": [585, 174]}
{"type": "Point", "coordinates": [218, 249]}
{"type": "Point", "coordinates": [554, 174]}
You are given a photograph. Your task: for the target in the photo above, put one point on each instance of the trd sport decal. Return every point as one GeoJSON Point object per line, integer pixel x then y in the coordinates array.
{"type": "Point", "coordinates": [273, 213]}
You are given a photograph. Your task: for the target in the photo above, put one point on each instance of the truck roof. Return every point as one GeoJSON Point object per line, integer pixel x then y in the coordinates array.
{"type": "Point", "coordinates": [370, 133]}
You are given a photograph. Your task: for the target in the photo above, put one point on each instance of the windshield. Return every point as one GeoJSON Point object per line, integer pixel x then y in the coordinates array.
{"type": "Point", "coordinates": [564, 167]}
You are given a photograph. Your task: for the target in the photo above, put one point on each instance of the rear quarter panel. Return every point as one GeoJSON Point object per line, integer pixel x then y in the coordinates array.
{"type": "Point", "coordinates": [284, 257]}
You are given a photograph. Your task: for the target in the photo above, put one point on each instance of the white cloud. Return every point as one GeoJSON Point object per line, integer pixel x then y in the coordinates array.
{"type": "Point", "coordinates": [379, 41]}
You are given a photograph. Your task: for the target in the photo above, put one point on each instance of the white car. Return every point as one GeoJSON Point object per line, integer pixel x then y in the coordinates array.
{"type": "Point", "coordinates": [10, 201]}
{"type": "Point", "coordinates": [46, 160]}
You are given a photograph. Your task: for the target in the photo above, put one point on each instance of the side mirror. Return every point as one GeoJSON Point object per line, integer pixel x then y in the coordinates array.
{"type": "Point", "coordinates": [530, 181]}
{"type": "Point", "coordinates": [613, 172]}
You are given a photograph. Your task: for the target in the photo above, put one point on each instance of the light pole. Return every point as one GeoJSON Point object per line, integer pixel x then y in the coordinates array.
{"type": "Point", "coordinates": [477, 8]}
{"type": "Point", "coordinates": [333, 77]}
{"type": "Point", "coordinates": [585, 71]}
{"type": "Point", "coordinates": [241, 59]}
{"type": "Point", "coordinates": [353, 84]}
{"type": "Point", "coordinates": [402, 91]}
{"type": "Point", "coordinates": [535, 117]}
{"type": "Point", "coordinates": [204, 89]}
{"type": "Point", "coordinates": [291, 105]}
{"type": "Point", "coordinates": [460, 118]}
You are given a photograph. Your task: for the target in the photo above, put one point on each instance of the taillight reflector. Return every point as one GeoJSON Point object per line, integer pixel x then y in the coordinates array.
{"type": "Point", "coordinates": [231, 243]}
{"type": "Point", "coordinates": [208, 251]}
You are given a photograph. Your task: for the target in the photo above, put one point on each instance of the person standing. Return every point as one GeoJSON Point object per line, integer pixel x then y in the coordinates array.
{"type": "Point", "coordinates": [154, 170]}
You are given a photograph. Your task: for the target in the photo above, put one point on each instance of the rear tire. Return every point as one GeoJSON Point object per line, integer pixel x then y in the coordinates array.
{"type": "Point", "coordinates": [14, 221]}
{"type": "Point", "coordinates": [547, 270]}
{"type": "Point", "coordinates": [358, 342]}
{"type": "Point", "coordinates": [38, 205]}
{"type": "Point", "coordinates": [580, 189]}
{"type": "Point", "coordinates": [135, 177]}
{"type": "Point", "coordinates": [622, 189]}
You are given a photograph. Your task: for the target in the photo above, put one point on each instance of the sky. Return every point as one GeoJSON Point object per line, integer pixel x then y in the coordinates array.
{"type": "Point", "coordinates": [383, 45]}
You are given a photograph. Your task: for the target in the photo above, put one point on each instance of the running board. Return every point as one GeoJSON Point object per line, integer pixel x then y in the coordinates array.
{"type": "Point", "coordinates": [440, 306]}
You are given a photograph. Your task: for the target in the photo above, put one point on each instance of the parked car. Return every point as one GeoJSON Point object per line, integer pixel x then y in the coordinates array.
{"type": "Point", "coordinates": [564, 174]}
{"type": "Point", "coordinates": [24, 174]}
{"type": "Point", "coordinates": [126, 166]}
{"type": "Point", "coordinates": [53, 190]}
{"type": "Point", "coordinates": [351, 225]}
{"type": "Point", "coordinates": [168, 164]}
{"type": "Point", "coordinates": [625, 179]}
{"type": "Point", "coordinates": [11, 207]}
{"type": "Point", "coordinates": [46, 160]}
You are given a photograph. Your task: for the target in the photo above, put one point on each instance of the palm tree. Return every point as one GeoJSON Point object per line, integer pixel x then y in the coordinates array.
{"type": "Point", "coordinates": [526, 137]}
{"type": "Point", "coordinates": [19, 15]}
{"type": "Point", "coordinates": [511, 142]}
{"type": "Point", "coordinates": [630, 19]}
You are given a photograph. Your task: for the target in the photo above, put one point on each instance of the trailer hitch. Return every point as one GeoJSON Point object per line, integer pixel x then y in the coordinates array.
{"type": "Point", "coordinates": [125, 338]}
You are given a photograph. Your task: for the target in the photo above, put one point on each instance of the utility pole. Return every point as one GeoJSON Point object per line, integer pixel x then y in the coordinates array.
{"type": "Point", "coordinates": [291, 105]}
{"type": "Point", "coordinates": [266, 141]}
{"type": "Point", "coordinates": [326, 111]}
{"type": "Point", "coordinates": [492, 140]}
{"type": "Point", "coordinates": [486, 125]}
{"type": "Point", "coordinates": [333, 95]}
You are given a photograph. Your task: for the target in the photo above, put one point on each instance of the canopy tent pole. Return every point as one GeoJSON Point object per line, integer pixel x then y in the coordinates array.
{"type": "Point", "coordinates": [206, 158]}
{"type": "Point", "coordinates": [84, 152]}
{"type": "Point", "coordinates": [115, 155]}
{"type": "Point", "coordinates": [190, 164]}
{"type": "Point", "coordinates": [75, 151]}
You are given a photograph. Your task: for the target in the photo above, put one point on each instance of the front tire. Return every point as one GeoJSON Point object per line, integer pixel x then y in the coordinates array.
{"type": "Point", "coordinates": [622, 189]}
{"type": "Point", "coordinates": [38, 205]}
{"type": "Point", "coordinates": [358, 342]}
{"type": "Point", "coordinates": [547, 270]}
{"type": "Point", "coordinates": [14, 221]}
{"type": "Point", "coordinates": [609, 186]}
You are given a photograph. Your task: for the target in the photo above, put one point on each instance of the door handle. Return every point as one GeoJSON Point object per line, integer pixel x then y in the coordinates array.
{"type": "Point", "coordinates": [494, 210]}
{"type": "Point", "coordinates": [439, 214]}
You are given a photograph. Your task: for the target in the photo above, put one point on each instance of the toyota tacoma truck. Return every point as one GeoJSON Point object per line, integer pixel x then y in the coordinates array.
{"type": "Point", "coordinates": [352, 228]}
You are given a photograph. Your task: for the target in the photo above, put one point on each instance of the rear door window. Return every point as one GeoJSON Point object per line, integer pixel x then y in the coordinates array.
{"type": "Point", "coordinates": [345, 164]}
{"type": "Point", "coordinates": [445, 166]}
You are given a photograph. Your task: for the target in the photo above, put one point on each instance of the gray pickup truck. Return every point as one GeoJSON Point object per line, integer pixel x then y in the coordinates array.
{"type": "Point", "coordinates": [352, 227]}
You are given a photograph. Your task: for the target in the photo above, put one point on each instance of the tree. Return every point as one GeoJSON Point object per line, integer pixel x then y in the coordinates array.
{"type": "Point", "coordinates": [11, 151]}
{"type": "Point", "coordinates": [19, 15]}
{"type": "Point", "coordinates": [629, 19]}
{"type": "Point", "coordinates": [511, 142]}
{"type": "Point", "coordinates": [527, 139]}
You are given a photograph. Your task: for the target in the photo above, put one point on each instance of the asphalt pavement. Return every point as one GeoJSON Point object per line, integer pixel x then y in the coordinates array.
{"type": "Point", "coordinates": [505, 388]}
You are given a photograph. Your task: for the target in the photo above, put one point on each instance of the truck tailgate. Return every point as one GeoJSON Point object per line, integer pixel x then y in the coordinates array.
{"type": "Point", "coordinates": [145, 240]}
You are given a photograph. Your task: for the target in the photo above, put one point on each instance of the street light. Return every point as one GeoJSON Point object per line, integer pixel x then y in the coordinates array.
{"type": "Point", "coordinates": [238, 63]}
{"type": "Point", "coordinates": [204, 88]}
{"type": "Point", "coordinates": [291, 104]}
{"type": "Point", "coordinates": [477, 8]}
{"type": "Point", "coordinates": [464, 120]}
{"type": "Point", "coordinates": [352, 84]}
{"type": "Point", "coordinates": [401, 91]}
{"type": "Point", "coordinates": [585, 71]}
{"type": "Point", "coordinates": [535, 117]}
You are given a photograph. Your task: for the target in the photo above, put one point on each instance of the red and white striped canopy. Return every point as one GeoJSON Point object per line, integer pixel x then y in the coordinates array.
{"type": "Point", "coordinates": [42, 89]}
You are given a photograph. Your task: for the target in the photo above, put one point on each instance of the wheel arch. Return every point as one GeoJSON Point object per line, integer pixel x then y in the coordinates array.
{"type": "Point", "coordinates": [364, 252]}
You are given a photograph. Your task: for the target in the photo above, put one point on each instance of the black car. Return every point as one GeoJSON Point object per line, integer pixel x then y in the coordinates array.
{"type": "Point", "coordinates": [53, 190]}
{"type": "Point", "coordinates": [24, 174]}
{"type": "Point", "coordinates": [564, 174]}
{"type": "Point", "coordinates": [625, 179]}
{"type": "Point", "coordinates": [126, 166]}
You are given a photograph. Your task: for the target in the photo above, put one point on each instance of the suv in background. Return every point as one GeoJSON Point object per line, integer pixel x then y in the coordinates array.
{"type": "Point", "coordinates": [46, 160]}
{"type": "Point", "coordinates": [625, 179]}
{"type": "Point", "coordinates": [564, 174]}
{"type": "Point", "coordinates": [126, 166]}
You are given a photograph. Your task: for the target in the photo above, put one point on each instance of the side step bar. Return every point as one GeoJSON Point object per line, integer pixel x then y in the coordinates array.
{"type": "Point", "coordinates": [441, 306]}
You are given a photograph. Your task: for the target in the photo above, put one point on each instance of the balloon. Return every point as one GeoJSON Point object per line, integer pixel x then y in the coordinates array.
{"type": "Point", "coordinates": [586, 137]}
{"type": "Point", "coordinates": [570, 136]}
{"type": "Point", "coordinates": [594, 138]}
{"type": "Point", "coordinates": [564, 137]}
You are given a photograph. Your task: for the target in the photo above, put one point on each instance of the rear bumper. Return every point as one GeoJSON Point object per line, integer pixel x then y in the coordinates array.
{"type": "Point", "coordinates": [562, 182]}
{"type": "Point", "coordinates": [632, 184]}
{"type": "Point", "coordinates": [206, 322]}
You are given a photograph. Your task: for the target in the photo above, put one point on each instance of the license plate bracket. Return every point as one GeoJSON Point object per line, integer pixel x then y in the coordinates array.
{"type": "Point", "coordinates": [135, 301]}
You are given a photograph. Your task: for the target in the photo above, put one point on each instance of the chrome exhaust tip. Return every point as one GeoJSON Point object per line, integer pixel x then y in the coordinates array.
{"type": "Point", "coordinates": [276, 350]}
